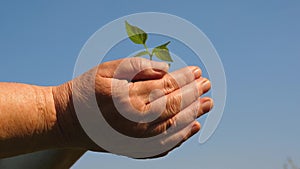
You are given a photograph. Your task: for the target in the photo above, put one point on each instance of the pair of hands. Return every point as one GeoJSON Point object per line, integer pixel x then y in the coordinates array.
{"type": "Point", "coordinates": [138, 98]}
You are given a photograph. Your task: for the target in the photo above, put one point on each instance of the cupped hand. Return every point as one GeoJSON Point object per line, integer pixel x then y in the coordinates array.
{"type": "Point", "coordinates": [138, 98]}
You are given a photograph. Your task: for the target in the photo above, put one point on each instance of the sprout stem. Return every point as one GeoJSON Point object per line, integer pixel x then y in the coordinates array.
{"type": "Point", "coordinates": [148, 51]}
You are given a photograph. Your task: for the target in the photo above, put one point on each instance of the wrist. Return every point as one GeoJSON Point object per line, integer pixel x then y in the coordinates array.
{"type": "Point", "coordinates": [52, 137]}
{"type": "Point", "coordinates": [69, 126]}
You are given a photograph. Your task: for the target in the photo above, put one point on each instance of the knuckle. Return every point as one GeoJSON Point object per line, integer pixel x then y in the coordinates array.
{"type": "Point", "coordinates": [171, 122]}
{"type": "Point", "coordinates": [139, 64]}
{"type": "Point", "coordinates": [196, 108]}
{"type": "Point", "coordinates": [174, 104]}
{"type": "Point", "coordinates": [195, 90]}
{"type": "Point", "coordinates": [169, 84]}
{"type": "Point", "coordinates": [135, 64]}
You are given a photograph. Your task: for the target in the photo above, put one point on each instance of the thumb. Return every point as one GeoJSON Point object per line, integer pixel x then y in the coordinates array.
{"type": "Point", "coordinates": [144, 69]}
{"type": "Point", "coordinates": [134, 69]}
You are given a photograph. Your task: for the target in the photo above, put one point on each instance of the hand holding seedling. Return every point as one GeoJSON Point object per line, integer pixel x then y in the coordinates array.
{"type": "Point", "coordinates": [138, 87]}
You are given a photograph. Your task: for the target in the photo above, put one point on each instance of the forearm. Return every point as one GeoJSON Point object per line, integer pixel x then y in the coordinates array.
{"type": "Point", "coordinates": [49, 159]}
{"type": "Point", "coordinates": [28, 119]}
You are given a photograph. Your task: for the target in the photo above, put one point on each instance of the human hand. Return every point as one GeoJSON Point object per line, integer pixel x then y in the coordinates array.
{"type": "Point", "coordinates": [138, 98]}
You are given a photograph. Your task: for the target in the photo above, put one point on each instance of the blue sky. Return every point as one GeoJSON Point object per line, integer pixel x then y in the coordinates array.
{"type": "Point", "coordinates": [258, 42]}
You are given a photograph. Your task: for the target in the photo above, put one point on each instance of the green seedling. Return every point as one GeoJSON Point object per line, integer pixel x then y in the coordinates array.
{"type": "Point", "coordinates": [138, 36]}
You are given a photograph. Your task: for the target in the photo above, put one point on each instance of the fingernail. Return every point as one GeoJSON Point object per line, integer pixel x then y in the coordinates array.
{"type": "Point", "coordinates": [197, 72]}
{"type": "Point", "coordinates": [207, 105]}
{"type": "Point", "coordinates": [195, 128]}
{"type": "Point", "coordinates": [205, 84]}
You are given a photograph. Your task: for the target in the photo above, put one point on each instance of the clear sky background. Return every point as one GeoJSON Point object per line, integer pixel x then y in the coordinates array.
{"type": "Point", "coordinates": [258, 42]}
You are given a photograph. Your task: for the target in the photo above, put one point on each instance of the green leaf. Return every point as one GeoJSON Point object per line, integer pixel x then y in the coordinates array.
{"type": "Point", "coordinates": [162, 52]}
{"type": "Point", "coordinates": [136, 34]}
{"type": "Point", "coordinates": [142, 53]}
{"type": "Point", "coordinates": [163, 46]}
{"type": "Point", "coordinates": [164, 55]}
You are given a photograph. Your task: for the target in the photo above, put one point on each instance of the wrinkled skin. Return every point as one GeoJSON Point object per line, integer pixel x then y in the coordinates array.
{"type": "Point", "coordinates": [138, 98]}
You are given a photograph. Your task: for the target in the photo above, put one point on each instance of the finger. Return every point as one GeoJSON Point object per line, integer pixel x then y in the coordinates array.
{"type": "Point", "coordinates": [206, 105]}
{"type": "Point", "coordinates": [196, 126]}
{"type": "Point", "coordinates": [179, 100]}
{"type": "Point", "coordinates": [189, 114]}
{"type": "Point", "coordinates": [173, 140]}
{"type": "Point", "coordinates": [180, 137]}
{"type": "Point", "coordinates": [172, 81]}
{"type": "Point", "coordinates": [133, 69]}
{"type": "Point", "coordinates": [149, 74]}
